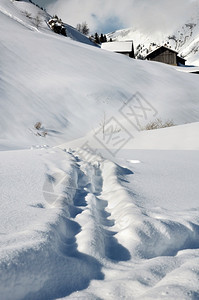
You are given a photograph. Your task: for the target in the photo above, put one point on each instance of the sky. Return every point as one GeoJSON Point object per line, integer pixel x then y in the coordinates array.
{"type": "Point", "coordinates": [109, 15]}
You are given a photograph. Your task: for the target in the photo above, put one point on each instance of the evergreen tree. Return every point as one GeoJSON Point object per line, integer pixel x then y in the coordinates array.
{"type": "Point", "coordinates": [97, 39]}
{"type": "Point", "coordinates": [101, 38]}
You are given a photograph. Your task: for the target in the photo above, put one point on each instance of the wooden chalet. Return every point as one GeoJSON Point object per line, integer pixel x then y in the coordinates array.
{"type": "Point", "coordinates": [125, 48]}
{"type": "Point", "coordinates": [166, 55]}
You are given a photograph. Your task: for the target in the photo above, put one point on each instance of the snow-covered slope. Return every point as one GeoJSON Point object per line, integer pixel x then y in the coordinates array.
{"type": "Point", "coordinates": [54, 80]}
{"type": "Point", "coordinates": [182, 137]}
{"type": "Point", "coordinates": [78, 226]}
{"type": "Point", "coordinates": [102, 220]}
{"type": "Point", "coordinates": [184, 39]}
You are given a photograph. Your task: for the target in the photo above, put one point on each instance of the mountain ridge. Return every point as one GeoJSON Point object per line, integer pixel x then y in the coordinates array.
{"type": "Point", "coordinates": [184, 39]}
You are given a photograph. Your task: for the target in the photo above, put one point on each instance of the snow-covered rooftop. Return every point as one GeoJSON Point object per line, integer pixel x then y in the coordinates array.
{"type": "Point", "coordinates": [118, 46]}
{"type": "Point", "coordinates": [153, 51]}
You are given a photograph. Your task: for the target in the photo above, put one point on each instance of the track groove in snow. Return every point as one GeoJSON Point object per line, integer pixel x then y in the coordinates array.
{"type": "Point", "coordinates": [95, 221]}
{"type": "Point", "coordinates": [48, 264]}
{"type": "Point", "coordinates": [98, 240]}
{"type": "Point", "coordinates": [75, 225]}
{"type": "Point", "coordinates": [156, 246]}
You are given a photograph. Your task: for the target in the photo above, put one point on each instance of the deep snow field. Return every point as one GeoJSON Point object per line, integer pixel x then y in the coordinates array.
{"type": "Point", "coordinates": [91, 206]}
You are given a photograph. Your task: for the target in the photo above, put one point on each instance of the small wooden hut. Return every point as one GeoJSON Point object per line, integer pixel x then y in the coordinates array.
{"type": "Point", "coordinates": [166, 55]}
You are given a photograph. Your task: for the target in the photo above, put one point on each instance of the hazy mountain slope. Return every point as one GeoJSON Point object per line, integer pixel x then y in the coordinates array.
{"type": "Point", "coordinates": [184, 39]}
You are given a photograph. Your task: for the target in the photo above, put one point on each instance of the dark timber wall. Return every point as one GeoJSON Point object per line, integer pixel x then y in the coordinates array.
{"type": "Point", "coordinates": [165, 56]}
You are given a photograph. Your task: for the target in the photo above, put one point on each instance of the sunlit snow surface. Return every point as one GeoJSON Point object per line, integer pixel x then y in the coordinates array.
{"type": "Point", "coordinates": [83, 219]}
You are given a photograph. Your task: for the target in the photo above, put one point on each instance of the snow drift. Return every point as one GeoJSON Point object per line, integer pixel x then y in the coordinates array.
{"type": "Point", "coordinates": [61, 83]}
{"type": "Point", "coordinates": [84, 224]}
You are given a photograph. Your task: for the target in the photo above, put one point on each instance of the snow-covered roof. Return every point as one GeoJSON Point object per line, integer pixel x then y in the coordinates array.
{"type": "Point", "coordinates": [117, 46]}
{"type": "Point", "coordinates": [161, 47]}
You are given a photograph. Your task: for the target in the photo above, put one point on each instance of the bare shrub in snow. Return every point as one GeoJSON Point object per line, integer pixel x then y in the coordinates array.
{"type": "Point", "coordinates": [37, 21]}
{"type": "Point", "coordinates": [106, 129]}
{"type": "Point", "coordinates": [42, 134]}
{"type": "Point", "coordinates": [37, 125]}
{"type": "Point", "coordinates": [103, 123]}
{"type": "Point", "coordinates": [158, 123]}
{"type": "Point", "coordinates": [27, 14]}
{"type": "Point", "coordinates": [83, 28]}
{"type": "Point", "coordinates": [38, 132]}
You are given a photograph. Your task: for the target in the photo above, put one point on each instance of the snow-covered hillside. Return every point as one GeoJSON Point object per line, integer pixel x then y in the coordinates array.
{"type": "Point", "coordinates": [54, 80]}
{"type": "Point", "coordinates": [90, 206]}
{"type": "Point", "coordinates": [184, 39]}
